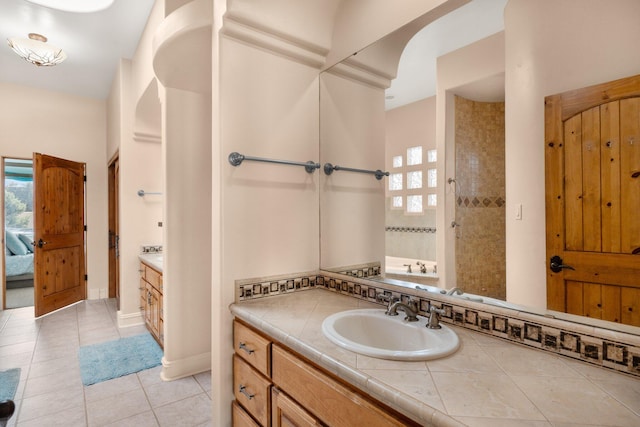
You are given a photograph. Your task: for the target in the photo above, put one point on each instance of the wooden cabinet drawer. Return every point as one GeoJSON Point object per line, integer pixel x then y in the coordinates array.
{"type": "Point", "coordinates": [334, 403]}
{"type": "Point", "coordinates": [252, 391]}
{"type": "Point", "coordinates": [240, 418]}
{"type": "Point", "coordinates": [153, 277]}
{"type": "Point", "coordinates": [252, 347]}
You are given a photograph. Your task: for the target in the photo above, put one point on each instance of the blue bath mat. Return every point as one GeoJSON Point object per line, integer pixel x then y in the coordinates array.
{"type": "Point", "coordinates": [9, 380]}
{"type": "Point", "coordinates": [113, 359]}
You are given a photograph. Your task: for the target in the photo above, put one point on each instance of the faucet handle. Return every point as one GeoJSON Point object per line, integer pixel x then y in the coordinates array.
{"type": "Point", "coordinates": [389, 299]}
{"type": "Point", "coordinates": [436, 310]}
{"type": "Point", "coordinates": [434, 317]}
{"type": "Point", "coordinates": [382, 297]}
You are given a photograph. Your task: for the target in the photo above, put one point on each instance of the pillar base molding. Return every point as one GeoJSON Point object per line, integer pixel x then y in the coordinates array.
{"type": "Point", "coordinates": [176, 369]}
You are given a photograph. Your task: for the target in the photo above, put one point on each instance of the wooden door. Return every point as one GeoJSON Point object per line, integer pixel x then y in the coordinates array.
{"type": "Point", "coordinates": [114, 233]}
{"type": "Point", "coordinates": [592, 159]}
{"type": "Point", "coordinates": [59, 270]}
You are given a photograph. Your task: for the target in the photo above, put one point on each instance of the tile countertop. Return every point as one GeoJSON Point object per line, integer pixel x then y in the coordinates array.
{"type": "Point", "coordinates": [152, 260]}
{"type": "Point", "coordinates": [487, 382]}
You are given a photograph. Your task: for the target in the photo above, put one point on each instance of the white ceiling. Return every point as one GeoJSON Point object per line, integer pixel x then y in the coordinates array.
{"type": "Point", "coordinates": [94, 43]}
{"type": "Point", "coordinates": [416, 78]}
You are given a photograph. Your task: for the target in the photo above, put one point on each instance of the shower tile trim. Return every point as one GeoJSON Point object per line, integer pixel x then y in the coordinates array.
{"type": "Point", "coordinates": [613, 350]}
{"type": "Point", "coordinates": [480, 201]}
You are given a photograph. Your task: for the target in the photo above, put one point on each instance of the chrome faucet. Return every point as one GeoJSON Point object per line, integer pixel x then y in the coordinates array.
{"type": "Point", "coordinates": [423, 268]}
{"type": "Point", "coordinates": [410, 309]}
{"type": "Point", "coordinates": [434, 317]}
{"type": "Point", "coordinates": [456, 291]}
{"type": "Point", "coordinates": [408, 267]}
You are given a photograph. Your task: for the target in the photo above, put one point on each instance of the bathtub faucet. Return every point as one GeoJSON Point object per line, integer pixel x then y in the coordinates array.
{"type": "Point", "coordinates": [423, 268]}
{"type": "Point", "coordinates": [408, 267]}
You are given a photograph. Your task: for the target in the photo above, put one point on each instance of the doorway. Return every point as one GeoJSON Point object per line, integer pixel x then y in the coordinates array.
{"type": "Point", "coordinates": [44, 232]}
{"type": "Point", "coordinates": [18, 238]}
{"type": "Point", "coordinates": [114, 233]}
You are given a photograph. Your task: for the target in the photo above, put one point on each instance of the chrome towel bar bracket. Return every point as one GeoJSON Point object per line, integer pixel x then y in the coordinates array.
{"type": "Point", "coordinates": [329, 168]}
{"type": "Point", "coordinates": [236, 159]}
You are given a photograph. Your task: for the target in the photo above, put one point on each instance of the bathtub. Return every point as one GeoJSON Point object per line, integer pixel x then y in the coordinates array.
{"type": "Point", "coordinates": [395, 269]}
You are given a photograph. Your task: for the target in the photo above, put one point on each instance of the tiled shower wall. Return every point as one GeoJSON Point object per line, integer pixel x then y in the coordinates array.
{"type": "Point", "coordinates": [480, 197]}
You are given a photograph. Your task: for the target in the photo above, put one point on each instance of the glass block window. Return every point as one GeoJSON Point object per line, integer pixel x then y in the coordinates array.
{"type": "Point", "coordinates": [414, 179]}
{"type": "Point", "coordinates": [414, 204]}
{"type": "Point", "coordinates": [395, 181]}
{"type": "Point", "coordinates": [397, 161]}
{"type": "Point", "coordinates": [432, 200]}
{"type": "Point", "coordinates": [432, 156]}
{"type": "Point", "coordinates": [396, 201]}
{"type": "Point", "coordinates": [432, 178]}
{"type": "Point", "coordinates": [414, 156]}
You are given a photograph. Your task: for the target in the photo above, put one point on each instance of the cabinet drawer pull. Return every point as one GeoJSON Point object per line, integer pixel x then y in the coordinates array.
{"type": "Point", "coordinates": [244, 391]}
{"type": "Point", "coordinates": [245, 348]}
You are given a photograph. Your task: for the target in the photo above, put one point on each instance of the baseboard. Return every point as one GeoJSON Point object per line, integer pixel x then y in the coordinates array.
{"type": "Point", "coordinates": [175, 369]}
{"type": "Point", "coordinates": [132, 319]}
{"type": "Point", "coordinates": [98, 293]}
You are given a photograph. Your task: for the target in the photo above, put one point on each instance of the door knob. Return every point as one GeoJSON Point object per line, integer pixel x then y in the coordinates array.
{"type": "Point", "coordinates": [41, 243]}
{"type": "Point", "coordinates": [557, 266]}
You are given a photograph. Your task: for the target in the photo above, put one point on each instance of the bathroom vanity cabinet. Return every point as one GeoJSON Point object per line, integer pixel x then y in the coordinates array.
{"type": "Point", "coordinates": [273, 386]}
{"type": "Point", "coordinates": [151, 301]}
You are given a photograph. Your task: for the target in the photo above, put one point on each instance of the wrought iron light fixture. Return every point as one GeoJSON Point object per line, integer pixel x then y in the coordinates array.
{"type": "Point", "coordinates": [36, 50]}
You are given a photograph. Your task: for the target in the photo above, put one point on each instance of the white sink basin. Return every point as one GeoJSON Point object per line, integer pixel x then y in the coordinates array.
{"type": "Point", "coordinates": [372, 333]}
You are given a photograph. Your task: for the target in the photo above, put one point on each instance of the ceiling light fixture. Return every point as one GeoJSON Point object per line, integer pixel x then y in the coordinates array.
{"type": "Point", "coordinates": [36, 50]}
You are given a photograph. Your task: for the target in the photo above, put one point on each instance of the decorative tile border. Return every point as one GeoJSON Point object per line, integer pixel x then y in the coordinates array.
{"type": "Point", "coordinates": [480, 202]}
{"type": "Point", "coordinates": [411, 229]}
{"type": "Point", "coordinates": [613, 350]}
{"type": "Point", "coordinates": [251, 289]}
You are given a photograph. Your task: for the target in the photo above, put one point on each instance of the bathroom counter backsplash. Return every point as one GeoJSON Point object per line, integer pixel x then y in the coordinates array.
{"type": "Point", "coordinates": [488, 381]}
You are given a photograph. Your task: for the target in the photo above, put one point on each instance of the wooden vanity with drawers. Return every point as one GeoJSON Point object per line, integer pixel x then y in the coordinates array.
{"type": "Point", "coordinates": [273, 386]}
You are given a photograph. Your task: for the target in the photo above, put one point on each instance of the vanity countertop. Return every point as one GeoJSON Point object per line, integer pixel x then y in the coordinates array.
{"type": "Point", "coordinates": [153, 260]}
{"type": "Point", "coordinates": [487, 382]}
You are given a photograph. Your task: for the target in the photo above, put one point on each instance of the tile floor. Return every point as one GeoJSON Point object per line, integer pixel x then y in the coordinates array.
{"type": "Point", "coordinates": [51, 393]}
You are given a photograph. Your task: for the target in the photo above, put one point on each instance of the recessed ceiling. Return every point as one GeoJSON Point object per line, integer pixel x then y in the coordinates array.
{"type": "Point", "coordinates": [94, 43]}
{"type": "Point", "coordinates": [416, 78]}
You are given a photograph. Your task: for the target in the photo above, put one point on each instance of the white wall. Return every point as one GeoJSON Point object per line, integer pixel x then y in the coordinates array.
{"type": "Point", "coordinates": [70, 127]}
{"type": "Point", "coordinates": [352, 135]}
{"type": "Point", "coordinates": [186, 159]}
{"type": "Point", "coordinates": [265, 216]}
{"type": "Point", "coordinates": [140, 164]}
{"type": "Point", "coordinates": [477, 62]}
{"type": "Point", "coordinates": [551, 47]}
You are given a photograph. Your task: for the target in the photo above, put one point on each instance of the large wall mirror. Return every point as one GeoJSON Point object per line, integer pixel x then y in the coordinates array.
{"type": "Point", "coordinates": [438, 221]}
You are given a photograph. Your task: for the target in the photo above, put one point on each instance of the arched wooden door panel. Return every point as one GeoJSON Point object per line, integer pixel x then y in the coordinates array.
{"type": "Point", "coordinates": [592, 144]}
